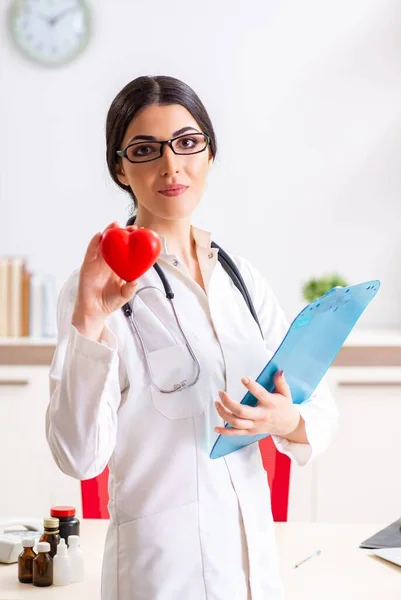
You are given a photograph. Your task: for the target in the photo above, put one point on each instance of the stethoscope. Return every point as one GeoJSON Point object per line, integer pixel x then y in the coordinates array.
{"type": "Point", "coordinates": [129, 313]}
{"type": "Point", "coordinates": [233, 272]}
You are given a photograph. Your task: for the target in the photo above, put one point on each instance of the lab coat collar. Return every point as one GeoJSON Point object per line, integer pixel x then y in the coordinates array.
{"type": "Point", "coordinates": [203, 239]}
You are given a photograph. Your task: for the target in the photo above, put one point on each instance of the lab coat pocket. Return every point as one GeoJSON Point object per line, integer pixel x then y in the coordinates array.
{"type": "Point", "coordinates": [171, 366]}
{"type": "Point", "coordinates": [159, 556]}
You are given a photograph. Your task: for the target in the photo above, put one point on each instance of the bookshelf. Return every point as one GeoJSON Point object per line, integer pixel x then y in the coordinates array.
{"type": "Point", "coordinates": [26, 350]}
{"type": "Point", "coordinates": [27, 341]}
{"type": "Point", "coordinates": [362, 348]}
{"type": "Point", "coordinates": [28, 301]}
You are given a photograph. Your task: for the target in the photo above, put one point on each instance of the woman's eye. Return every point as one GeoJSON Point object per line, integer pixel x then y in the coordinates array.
{"type": "Point", "coordinates": [143, 150]}
{"type": "Point", "coordinates": [188, 142]}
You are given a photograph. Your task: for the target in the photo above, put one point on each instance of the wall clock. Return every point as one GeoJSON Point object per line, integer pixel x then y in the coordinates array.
{"type": "Point", "coordinates": [51, 32]}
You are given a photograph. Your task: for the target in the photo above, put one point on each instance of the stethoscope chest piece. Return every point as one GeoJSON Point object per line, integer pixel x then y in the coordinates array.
{"type": "Point", "coordinates": [129, 313]}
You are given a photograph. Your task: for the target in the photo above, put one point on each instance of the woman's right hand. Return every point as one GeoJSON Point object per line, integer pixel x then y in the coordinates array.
{"type": "Point", "coordinates": [100, 290]}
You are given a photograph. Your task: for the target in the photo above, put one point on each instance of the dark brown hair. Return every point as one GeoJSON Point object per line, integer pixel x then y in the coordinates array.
{"type": "Point", "coordinates": [141, 92]}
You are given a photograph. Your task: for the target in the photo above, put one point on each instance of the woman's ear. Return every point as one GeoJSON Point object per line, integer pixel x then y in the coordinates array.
{"type": "Point", "coordinates": [122, 178]}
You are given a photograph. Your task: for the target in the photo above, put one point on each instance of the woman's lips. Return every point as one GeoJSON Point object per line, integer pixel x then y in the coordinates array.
{"type": "Point", "coordinates": [177, 190]}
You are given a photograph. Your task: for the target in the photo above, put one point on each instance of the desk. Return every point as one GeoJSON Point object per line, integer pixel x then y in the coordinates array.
{"type": "Point", "coordinates": [342, 571]}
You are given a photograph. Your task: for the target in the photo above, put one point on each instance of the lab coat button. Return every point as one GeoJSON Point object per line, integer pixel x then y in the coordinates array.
{"type": "Point", "coordinates": [175, 262]}
{"type": "Point", "coordinates": [211, 255]}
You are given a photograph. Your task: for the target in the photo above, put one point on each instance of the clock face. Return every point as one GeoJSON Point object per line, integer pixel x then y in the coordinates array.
{"type": "Point", "coordinates": [51, 32]}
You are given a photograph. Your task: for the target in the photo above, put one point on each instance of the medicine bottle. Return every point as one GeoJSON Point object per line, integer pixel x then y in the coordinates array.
{"type": "Point", "coordinates": [69, 523]}
{"type": "Point", "coordinates": [51, 534]}
{"type": "Point", "coordinates": [76, 559]}
{"type": "Point", "coordinates": [42, 566]}
{"type": "Point", "coordinates": [25, 561]}
{"type": "Point", "coordinates": [61, 565]}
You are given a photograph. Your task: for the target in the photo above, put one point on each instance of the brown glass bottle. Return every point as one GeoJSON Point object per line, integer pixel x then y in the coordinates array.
{"type": "Point", "coordinates": [42, 575]}
{"type": "Point", "coordinates": [25, 561]}
{"type": "Point", "coordinates": [51, 534]}
{"type": "Point", "coordinates": [69, 523]}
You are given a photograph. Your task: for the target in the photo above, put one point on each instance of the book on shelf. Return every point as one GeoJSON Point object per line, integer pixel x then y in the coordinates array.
{"type": "Point", "coordinates": [28, 301]}
{"type": "Point", "coordinates": [3, 296]}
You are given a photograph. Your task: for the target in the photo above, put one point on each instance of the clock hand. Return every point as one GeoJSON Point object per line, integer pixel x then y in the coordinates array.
{"type": "Point", "coordinates": [44, 18]}
{"type": "Point", "coordinates": [56, 19]}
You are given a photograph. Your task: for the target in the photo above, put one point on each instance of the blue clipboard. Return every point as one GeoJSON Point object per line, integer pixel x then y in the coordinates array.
{"type": "Point", "coordinates": [312, 342]}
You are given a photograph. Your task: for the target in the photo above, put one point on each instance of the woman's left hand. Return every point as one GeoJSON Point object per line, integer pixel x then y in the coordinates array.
{"type": "Point", "coordinates": [274, 413]}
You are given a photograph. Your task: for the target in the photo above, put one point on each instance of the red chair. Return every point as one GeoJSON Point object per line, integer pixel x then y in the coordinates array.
{"type": "Point", "coordinates": [278, 467]}
{"type": "Point", "coordinates": [95, 494]}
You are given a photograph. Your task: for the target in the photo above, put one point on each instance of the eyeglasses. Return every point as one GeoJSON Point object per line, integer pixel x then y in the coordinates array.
{"type": "Point", "coordinates": [140, 152]}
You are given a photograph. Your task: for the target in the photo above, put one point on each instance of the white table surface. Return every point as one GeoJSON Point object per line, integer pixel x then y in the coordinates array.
{"type": "Point", "coordinates": [342, 571]}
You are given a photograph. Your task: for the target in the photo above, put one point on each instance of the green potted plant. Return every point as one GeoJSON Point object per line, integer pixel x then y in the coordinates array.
{"type": "Point", "coordinates": [316, 287]}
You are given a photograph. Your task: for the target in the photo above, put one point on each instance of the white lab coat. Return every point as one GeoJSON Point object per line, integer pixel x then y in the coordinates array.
{"type": "Point", "coordinates": [182, 526]}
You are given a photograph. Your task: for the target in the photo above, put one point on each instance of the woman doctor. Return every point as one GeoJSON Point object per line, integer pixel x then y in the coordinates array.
{"type": "Point", "coordinates": [182, 526]}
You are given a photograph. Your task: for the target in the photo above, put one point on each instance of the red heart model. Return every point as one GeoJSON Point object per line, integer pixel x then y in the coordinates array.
{"type": "Point", "coordinates": [130, 253]}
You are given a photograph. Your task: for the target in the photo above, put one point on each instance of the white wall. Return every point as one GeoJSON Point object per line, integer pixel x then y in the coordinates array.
{"type": "Point", "coordinates": [306, 102]}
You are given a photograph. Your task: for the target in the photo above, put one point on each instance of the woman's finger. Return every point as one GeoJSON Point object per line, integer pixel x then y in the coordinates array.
{"type": "Point", "coordinates": [92, 250]}
{"type": "Point", "coordinates": [128, 290]}
{"type": "Point", "coordinates": [230, 418]}
{"type": "Point", "coordinates": [262, 395]}
{"type": "Point", "coordinates": [240, 410]}
{"type": "Point", "coordinates": [111, 225]}
{"type": "Point", "coordinates": [231, 431]}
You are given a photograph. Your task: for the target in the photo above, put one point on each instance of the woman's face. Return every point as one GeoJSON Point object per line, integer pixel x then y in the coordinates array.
{"type": "Point", "coordinates": [150, 181]}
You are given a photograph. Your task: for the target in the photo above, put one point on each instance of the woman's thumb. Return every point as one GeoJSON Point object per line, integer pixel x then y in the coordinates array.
{"type": "Point", "coordinates": [92, 251]}
{"type": "Point", "coordinates": [281, 385]}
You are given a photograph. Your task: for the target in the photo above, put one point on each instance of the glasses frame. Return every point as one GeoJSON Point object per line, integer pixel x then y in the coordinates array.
{"type": "Point", "coordinates": [123, 153]}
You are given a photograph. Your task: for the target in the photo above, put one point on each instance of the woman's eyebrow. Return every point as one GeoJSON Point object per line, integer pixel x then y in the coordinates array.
{"type": "Point", "coordinates": [151, 138]}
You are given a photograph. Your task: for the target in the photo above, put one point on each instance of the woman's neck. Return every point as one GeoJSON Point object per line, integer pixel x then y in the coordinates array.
{"type": "Point", "coordinates": [177, 233]}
